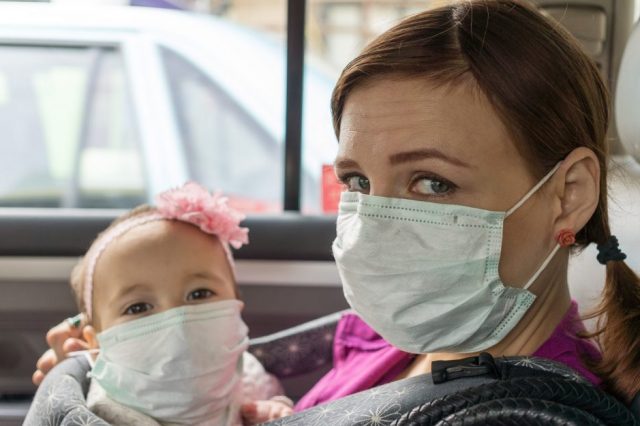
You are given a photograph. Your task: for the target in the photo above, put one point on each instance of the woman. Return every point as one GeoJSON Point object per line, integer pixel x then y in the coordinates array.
{"type": "Point", "coordinates": [473, 145]}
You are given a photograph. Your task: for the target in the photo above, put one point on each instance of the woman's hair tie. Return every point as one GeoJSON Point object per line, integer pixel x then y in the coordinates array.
{"type": "Point", "coordinates": [609, 250]}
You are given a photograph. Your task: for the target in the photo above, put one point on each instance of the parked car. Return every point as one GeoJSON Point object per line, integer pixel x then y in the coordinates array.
{"type": "Point", "coordinates": [106, 106]}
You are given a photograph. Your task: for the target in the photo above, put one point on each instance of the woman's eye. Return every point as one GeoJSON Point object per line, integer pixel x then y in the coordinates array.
{"type": "Point", "coordinates": [357, 183]}
{"type": "Point", "coordinates": [138, 308]}
{"type": "Point", "coordinates": [432, 186]}
{"type": "Point", "coordinates": [201, 293]}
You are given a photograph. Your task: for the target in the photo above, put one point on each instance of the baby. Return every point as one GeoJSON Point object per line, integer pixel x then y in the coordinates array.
{"type": "Point", "coordinates": [159, 293]}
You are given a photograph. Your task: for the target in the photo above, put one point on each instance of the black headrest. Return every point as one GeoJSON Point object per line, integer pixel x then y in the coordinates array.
{"type": "Point", "coordinates": [635, 406]}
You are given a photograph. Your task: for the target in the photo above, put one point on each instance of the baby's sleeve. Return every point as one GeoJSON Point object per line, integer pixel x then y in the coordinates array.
{"type": "Point", "coordinates": [257, 384]}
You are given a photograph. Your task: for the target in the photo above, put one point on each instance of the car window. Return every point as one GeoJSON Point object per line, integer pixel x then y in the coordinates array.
{"type": "Point", "coordinates": [68, 136]}
{"type": "Point", "coordinates": [226, 148]}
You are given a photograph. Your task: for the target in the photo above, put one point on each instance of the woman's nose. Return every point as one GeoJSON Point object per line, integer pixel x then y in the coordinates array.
{"type": "Point", "coordinates": [382, 188]}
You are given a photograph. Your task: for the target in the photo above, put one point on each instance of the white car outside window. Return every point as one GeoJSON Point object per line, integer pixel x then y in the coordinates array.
{"type": "Point", "coordinates": [68, 132]}
{"type": "Point", "coordinates": [105, 107]}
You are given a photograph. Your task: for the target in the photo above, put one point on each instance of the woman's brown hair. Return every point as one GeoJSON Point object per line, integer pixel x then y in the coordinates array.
{"type": "Point", "coordinates": [552, 99]}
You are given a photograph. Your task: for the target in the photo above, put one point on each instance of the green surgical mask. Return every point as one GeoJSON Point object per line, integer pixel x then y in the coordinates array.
{"type": "Point", "coordinates": [425, 275]}
{"type": "Point", "coordinates": [181, 366]}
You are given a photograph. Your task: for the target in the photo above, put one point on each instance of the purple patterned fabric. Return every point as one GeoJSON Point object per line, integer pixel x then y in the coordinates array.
{"type": "Point", "coordinates": [362, 359]}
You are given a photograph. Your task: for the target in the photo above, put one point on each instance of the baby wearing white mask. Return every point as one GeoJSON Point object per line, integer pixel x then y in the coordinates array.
{"type": "Point", "coordinates": [159, 292]}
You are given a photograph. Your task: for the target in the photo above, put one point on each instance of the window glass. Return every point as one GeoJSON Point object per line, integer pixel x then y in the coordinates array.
{"type": "Point", "coordinates": [67, 129]}
{"type": "Point", "coordinates": [226, 147]}
{"type": "Point", "coordinates": [268, 18]}
{"type": "Point", "coordinates": [110, 168]}
{"type": "Point", "coordinates": [73, 137]}
{"type": "Point", "coordinates": [231, 114]}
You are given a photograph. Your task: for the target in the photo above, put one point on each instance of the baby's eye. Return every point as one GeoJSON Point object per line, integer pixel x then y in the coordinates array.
{"type": "Point", "coordinates": [356, 183]}
{"type": "Point", "coordinates": [432, 186]}
{"type": "Point", "coordinates": [138, 308]}
{"type": "Point", "coordinates": [201, 293]}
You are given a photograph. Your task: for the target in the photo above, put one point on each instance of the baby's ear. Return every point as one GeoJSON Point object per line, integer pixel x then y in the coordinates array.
{"type": "Point", "coordinates": [89, 334]}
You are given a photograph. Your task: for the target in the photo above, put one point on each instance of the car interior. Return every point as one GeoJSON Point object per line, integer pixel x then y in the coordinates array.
{"type": "Point", "coordinates": [290, 252]}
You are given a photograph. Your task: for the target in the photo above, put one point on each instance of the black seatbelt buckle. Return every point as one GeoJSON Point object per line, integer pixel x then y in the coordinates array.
{"type": "Point", "coordinates": [481, 365]}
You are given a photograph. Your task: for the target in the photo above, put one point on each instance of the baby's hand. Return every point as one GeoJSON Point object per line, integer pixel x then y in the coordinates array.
{"type": "Point", "coordinates": [63, 338]}
{"type": "Point", "coordinates": [256, 412]}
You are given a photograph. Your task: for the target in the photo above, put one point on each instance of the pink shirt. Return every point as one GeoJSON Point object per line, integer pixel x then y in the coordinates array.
{"type": "Point", "coordinates": [362, 359]}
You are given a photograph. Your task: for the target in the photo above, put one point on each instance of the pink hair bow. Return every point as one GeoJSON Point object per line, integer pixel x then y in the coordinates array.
{"type": "Point", "coordinates": [194, 204]}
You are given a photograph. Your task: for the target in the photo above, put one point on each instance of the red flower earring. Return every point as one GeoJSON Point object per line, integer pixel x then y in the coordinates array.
{"type": "Point", "coordinates": [566, 237]}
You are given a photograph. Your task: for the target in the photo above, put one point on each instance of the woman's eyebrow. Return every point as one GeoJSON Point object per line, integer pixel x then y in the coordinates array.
{"type": "Point", "coordinates": [421, 154]}
{"type": "Point", "coordinates": [345, 163]}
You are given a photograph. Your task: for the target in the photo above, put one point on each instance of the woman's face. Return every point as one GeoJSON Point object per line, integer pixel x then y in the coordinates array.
{"type": "Point", "coordinates": [408, 138]}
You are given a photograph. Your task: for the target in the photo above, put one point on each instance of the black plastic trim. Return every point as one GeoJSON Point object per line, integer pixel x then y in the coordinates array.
{"type": "Point", "coordinates": [57, 233]}
{"type": "Point", "coordinates": [295, 86]}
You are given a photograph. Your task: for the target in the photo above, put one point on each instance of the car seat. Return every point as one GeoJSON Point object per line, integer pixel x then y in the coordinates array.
{"type": "Point", "coordinates": [61, 398]}
{"type": "Point", "coordinates": [477, 390]}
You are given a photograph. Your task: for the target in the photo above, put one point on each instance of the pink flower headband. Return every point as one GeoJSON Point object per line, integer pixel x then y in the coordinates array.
{"type": "Point", "coordinates": [191, 204]}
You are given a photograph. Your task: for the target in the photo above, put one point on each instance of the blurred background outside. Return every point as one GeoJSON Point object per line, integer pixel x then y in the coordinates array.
{"type": "Point", "coordinates": [336, 29]}
{"type": "Point", "coordinates": [151, 98]}
{"type": "Point", "coordinates": [74, 131]}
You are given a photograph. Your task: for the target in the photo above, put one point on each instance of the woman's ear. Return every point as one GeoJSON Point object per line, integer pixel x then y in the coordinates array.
{"type": "Point", "coordinates": [579, 190]}
{"type": "Point", "coordinates": [89, 334]}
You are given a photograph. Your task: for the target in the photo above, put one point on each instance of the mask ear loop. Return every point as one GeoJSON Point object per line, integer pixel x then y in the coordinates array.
{"type": "Point", "coordinates": [533, 190]}
{"type": "Point", "coordinates": [519, 204]}
{"type": "Point", "coordinates": [542, 267]}
{"type": "Point", "coordinates": [87, 354]}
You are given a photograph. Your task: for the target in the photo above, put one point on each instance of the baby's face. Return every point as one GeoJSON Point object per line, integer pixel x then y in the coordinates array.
{"type": "Point", "coordinates": [159, 266]}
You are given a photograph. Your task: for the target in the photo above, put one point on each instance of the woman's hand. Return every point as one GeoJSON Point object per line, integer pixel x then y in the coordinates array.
{"type": "Point", "coordinates": [63, 338]}
{"type": "Point", "coordinates": [257, 412]}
